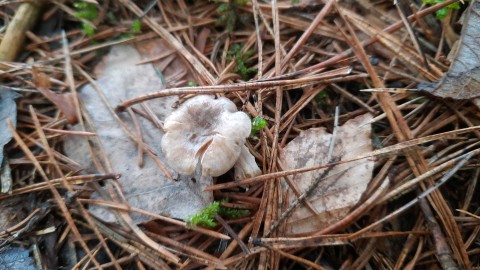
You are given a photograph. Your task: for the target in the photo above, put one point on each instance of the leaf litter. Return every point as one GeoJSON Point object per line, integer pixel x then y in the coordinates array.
{"type": "Point", "coordinates": [8, 112]}
{"type": "Point", "coordinates": [462, 80]}
{"type": "Point", "coordinates": [145, 186]}
{"type": "Point", "coordinates": [427, 147]}
{"type": "Point", "coordinates": [338, 190]}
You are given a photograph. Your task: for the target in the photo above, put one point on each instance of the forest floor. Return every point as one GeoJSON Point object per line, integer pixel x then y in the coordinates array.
{"type": "Point", "coordinates": [364, 125]}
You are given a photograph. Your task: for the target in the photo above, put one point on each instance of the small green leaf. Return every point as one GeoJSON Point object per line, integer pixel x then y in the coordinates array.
{"type": "Point", "coordinates": [192, 84]}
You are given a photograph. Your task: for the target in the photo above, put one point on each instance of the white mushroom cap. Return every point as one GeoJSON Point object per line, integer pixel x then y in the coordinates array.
{"type": "Point", "coordinates": [246, 166]}
{"type": "Point", "coordinates": [205, 132]}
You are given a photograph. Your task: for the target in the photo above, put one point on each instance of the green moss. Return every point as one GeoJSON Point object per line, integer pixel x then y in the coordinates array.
{"type": "Point", "coordinates": [126, 36]}
{"type": "Point", "coordinates": [88, 30]}
{"type": "Point", "coordinates": [228, 14]}
{"type": "Point", "coordinates": [136, 26]}
{"type": "Point", "coordinates": [206, 217]}
{"type": "Point", "coordinates": [321, 99]}
{"type": "Point", "coordinates": [257, 124]}
{"type": "Point", "coordinates": [111, 18]}
{"type": "Point", "coordinates": [231, 213]}
{"type": "Point", "coordinates": [443, 12]}
{"type": "Point", "coordinates": [242, 61]}
{"type": "Point", "coordinates": [86, 11]}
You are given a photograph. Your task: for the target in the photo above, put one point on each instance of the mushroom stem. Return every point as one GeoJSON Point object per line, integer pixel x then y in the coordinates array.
{"type": "Point", "coordinates": [246, 166]}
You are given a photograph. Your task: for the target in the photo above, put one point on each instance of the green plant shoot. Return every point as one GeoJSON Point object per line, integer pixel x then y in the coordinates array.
{"type": "Point", "coordinates": [242, 60]}
{"type": "Point", "coordinates": [257, 124]}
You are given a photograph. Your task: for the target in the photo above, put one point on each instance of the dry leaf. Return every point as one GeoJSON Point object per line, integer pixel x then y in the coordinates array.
{"type": "Point", "coordinates": [16, 258]}
{"type": "Point", "coordinates": [120, 78]}
{"type": "Point", "coordinates": [462, 80]}
{"type": "Point", "coordinates": [344, 184]}
{"type": "Point", "coordinates": [64, 102]}
{"type": "Point", "coordinates": [8, 110]}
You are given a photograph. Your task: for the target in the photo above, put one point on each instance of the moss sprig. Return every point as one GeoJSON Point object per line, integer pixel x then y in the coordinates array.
{"type": "Point", "coordinates": [228, 14]}
{"type": "Point", "coordinates": [242, 60]}
{"type": "Point", "coordinates": [86, 11]}
{"type": "Point", "coordinates": [206, 217]}
{"type": "Point", "coordinates": [443, 12]}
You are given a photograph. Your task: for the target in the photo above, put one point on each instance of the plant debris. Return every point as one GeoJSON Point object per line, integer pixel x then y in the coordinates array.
{"type": "Point", "coordinates": [100, 194]}
{"type": "Point", "coordinates": [462, 80]}
{"type": "Point", "coordinates": [337, 189]}
{"type": "Point", "coordinates": [145, 184]}
{"type": "Point", "coordinates": [8, 112]}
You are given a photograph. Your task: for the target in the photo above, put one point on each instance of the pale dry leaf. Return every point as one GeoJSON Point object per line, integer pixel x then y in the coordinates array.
{"type": "Point", "coordinates": [344, 184]}
{"type": "Point", "coordinates": [8, 110]}
{"type": "Point", "coordinates": [16, 258]}
{"type": "Point", "coordinates": [64, 102]}
{"type": "Point", "coordinates": [147, 188]}
{"type": "Point", "coordinates": [462, 81]}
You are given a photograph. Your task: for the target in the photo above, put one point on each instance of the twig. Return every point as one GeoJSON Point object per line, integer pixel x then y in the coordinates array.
{"type": "Point", "coordinates": [234, 235]}
{"type": "Point", "coordinates": [24, 19]}
{"type": "Point", "coordinates": [235, 87]}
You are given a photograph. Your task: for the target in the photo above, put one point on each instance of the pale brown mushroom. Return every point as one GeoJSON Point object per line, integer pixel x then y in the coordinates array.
{"type": "Point", "coordinates": [208, 135]}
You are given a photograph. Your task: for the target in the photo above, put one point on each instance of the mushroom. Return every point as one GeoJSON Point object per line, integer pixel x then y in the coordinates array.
{"type": "Point", "coordinates": [208, 135]}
